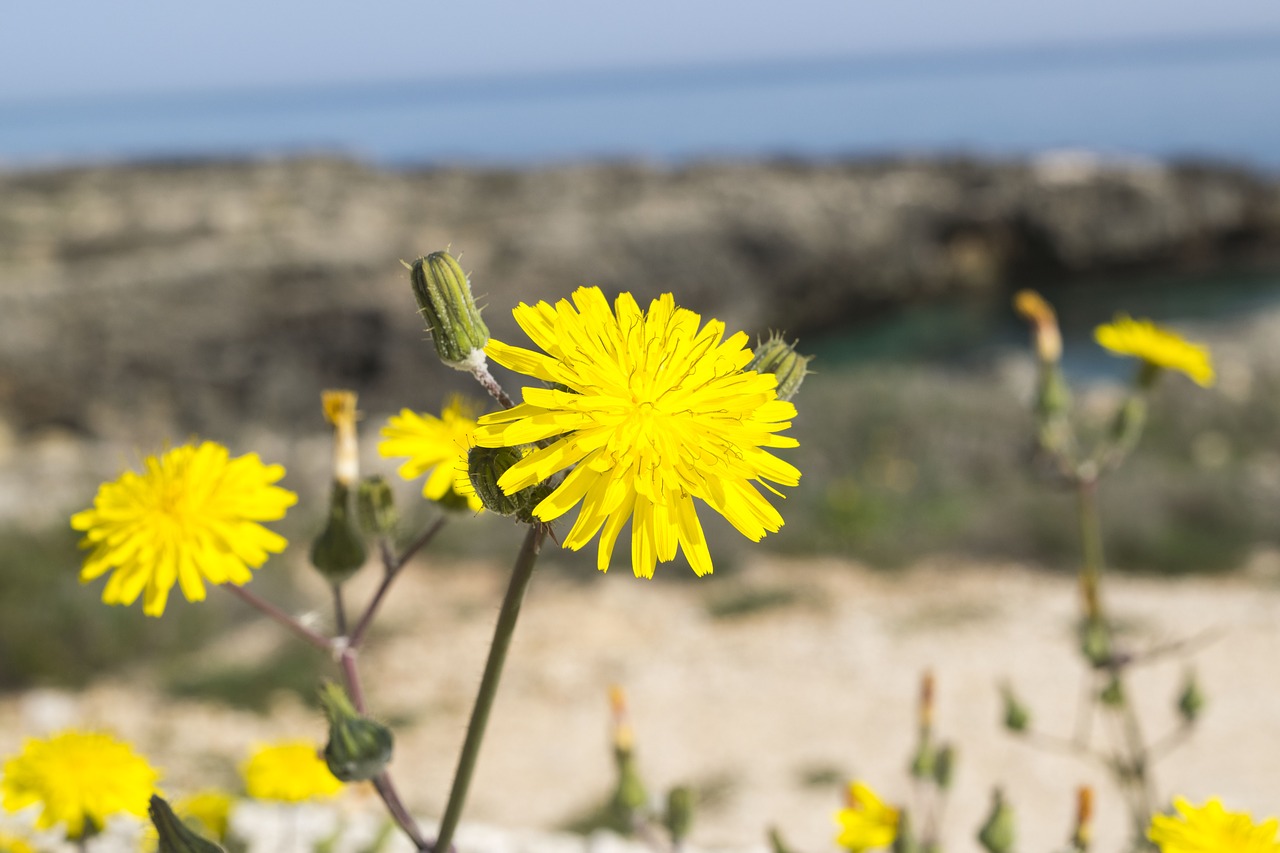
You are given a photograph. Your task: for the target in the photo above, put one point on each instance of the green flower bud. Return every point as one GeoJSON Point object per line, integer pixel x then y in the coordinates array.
{"type": "Point", "coordinates": [486, 465]}
{"type": "Point", "coordinates": [358, 748]}
{"type": "Point", "coordinates": [376, 506]}
{"type": "Point", "coordinates": [339, 549]}
{"type": "Point", "coordinates": [925, 760]}
{"type": "Point", "coordinates": [444, 300]}
{"type": "Point", "coordinates": [1191, 702]}
{"type": "Point", "coordinates": [904, 840]}
{"type": "Point", "coordinates": [679, 814]}
{"type": "Point", "coordinates": [1095, 642]}
{"type": "Point", "coordinates": [1017, 717]}
{"type": "Point", "coordinates": [176, 836]}
{"type": "Point", "coordinates": [997, 833]}
{"type": "Point", "coordinates": [780, 358]}
{"type": "Point", "coordinates": [944, 767]}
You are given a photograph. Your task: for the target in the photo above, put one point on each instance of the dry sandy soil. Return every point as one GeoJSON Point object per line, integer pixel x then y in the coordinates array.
{"type": "Point", "coordinates": [759, 701]}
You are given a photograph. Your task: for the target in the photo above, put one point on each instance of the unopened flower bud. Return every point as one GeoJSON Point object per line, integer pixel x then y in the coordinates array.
{"type": "Point", "coordinates": [358, 748]}
{"type": "Point", "coordinates": [486, 465]}
{"type": "Point", "coordinates": [174, 835]}
{"type": "Point", "coordinates": [1017, 717]}
{"type": "Point", "coordinates": [679, 814]}
{"type": "Point", "coordinates": [780, 358]}
{"type": "Point", "coordinates": [1191, 701]}
{"type": "Point", "coordinates": [1095, 638]}
{"type": "Point", "coordinates": [339, 549]}
{"type": "Point", "coordinates": [997, 833]}
{"type": "Point", "coordinates": [944, 766]}
{"type": "Point", "coordinates": [376, 506]}
{"type": "Point", "coordinates": [340, 410]}
{"type": "Point", "coordinates": [925, 760]}
{"type": "Point", "coordinates": [1082, 835]}
{"type": "Point", "coordinates": [445, 302]}
{"type": "Point", "coordinates": [904, 839]}
{"type": "Point", "coordinates": [1032, 307]}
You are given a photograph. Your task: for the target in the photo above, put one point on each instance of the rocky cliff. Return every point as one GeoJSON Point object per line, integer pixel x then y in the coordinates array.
{"type": "Point", "coordinates": [203, 296]}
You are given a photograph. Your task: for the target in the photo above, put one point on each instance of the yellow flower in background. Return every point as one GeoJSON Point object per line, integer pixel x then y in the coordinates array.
{"type": "Point", "coordinates": [1157, 346]}
{"type": "Point", "coordinates": [211, 809]}
{"type": "Point", "coordinates": [437, 446]}
{"type": "Point", "coordinates": [651, 410]}
{"type": "Point", "coordinates": [866, 822]}
{"type": "Point", "coordinates": [10, 843]}
{"type": "Point", "coordinates": [79, 779]}
{"type": "Point", "coordinates": [290, 772]}
{"type": "Point", "coordinates": [191, 516]}
{"type": "Point", "coordinates": [1212, 829]}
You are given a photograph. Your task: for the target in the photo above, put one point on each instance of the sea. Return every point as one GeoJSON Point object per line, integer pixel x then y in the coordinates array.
{"type": "Point", "coordinates": [1210, 98]}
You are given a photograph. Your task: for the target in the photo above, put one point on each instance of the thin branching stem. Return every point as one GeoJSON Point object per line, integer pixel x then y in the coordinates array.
{"type": "Point", "coordinates": [318, 640]}
{"type": "Point", "coordinates": [391, 566]}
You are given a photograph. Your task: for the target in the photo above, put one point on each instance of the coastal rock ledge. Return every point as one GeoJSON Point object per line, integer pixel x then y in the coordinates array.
{"type": "Point", "coordinates": [211, 293]}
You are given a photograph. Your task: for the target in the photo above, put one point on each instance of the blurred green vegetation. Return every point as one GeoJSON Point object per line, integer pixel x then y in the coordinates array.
{"type": "Point", "coordinates": [901, 462]}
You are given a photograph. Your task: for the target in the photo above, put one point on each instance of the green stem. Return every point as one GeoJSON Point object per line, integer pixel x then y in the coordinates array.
{"type": "Point", "coordinates": [1091, 544]}
{"type": "Point", "coordinates": [502, 633]}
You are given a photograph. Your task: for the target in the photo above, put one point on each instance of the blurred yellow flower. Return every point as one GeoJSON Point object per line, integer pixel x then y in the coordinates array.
{"type": "Point", "coordinates": [435, 445]}
{"type": "Point", "coordinates": [651, 410]}
{"type": "Point", "coordinates": [1212, 829]}
{"type": "Point", "coordinates": [211, 809]}
{"type": "Point", "coordinates": [866, 822]}
{"type": "Point", "coordinates": [291, 772]}
{"type": "Point", "coordinates": [79, 779]}
{"type": "Point", "coordinates": [192, 516]}
{"type": "Point", "coordinates": [1157, 346]}
{"type": "Point", "coordinates": [10, 843]}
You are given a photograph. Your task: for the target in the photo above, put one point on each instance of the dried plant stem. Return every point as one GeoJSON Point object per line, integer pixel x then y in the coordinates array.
{"type": "Point", "coordinates": [502, 634]}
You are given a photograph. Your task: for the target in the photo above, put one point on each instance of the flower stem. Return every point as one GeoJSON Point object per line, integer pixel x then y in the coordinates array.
{"type": "Point", "coordinates": [502, 633]}
{"type": "Point", "coordinates": [1091, 544]}
{"type": "Point", "coordinates": [485, 378]}
{"type": "Point", "coordinates": [318, 640]}
{"type": "Point", "coordinates": [391, 565]}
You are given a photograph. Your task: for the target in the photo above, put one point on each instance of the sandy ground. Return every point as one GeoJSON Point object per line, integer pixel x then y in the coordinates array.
{"type": "Point", "coordinates": [759, 702]}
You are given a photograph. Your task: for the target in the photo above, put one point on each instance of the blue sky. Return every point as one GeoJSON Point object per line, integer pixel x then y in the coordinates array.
{"type": "Point", "coordinates": [89, 47]}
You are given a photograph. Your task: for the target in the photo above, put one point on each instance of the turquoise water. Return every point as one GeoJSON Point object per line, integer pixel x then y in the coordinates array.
{"type": "Point", "coordinates": [1205, 98]}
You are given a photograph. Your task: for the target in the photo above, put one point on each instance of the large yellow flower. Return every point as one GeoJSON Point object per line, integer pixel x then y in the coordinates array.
{"type": "Point", "coordinates": [1156, 346]}
{"type": "Point", "coordinates": [79, 779]}
{"type": "Point", "coordinates": [1212, 829]}
{"type": "Point", "coordinates": [437, 446]}
{"type": "Point", "coordinates": [291, 772]}
{"type": "Point", "coordinates": [866, 823]}
{"type": "Point", "coordinates": [192, 516]}
{"type": "Point", "coordinates": [654, 410]}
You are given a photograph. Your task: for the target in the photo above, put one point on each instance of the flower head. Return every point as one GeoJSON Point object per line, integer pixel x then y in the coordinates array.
{"type": "Point", "coordinates": [1157, 347]}
{"type": "Point", "coordinates": [192, 516]}
{"type": "Point", "coordinates": [1212, 829]}
{"type": "Point", "coordinates": [866, 822]}
{"type": "Point", "coordinates": [291, 772]}
{"type": "Point", "coordinates": [651, 410]}
{"type": "Point", "coordinates": [79, 779]}
{"type": "Point", "coordinates": [435, 446]}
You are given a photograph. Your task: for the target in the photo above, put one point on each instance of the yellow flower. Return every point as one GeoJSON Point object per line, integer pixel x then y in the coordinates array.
{"type": "Point", "coordinates": [866, 823]}
{"type": "Point", "coordinates": [435, 445]}
{"type": "Point", "coordinates": [190, 517]}
{"type": "Point", "coordinates": [654, 411]}
{"type": "Point", "coordinates": [10, 843]}
{"type": "Point", "coordinates": [80, 779]}
{"type": "Point", "coordinates": [1156, 346]}
{"type": "Point", "coordinates": [211, 809]}
{"type": "Point", "coordinates": [290, 772]}
{"type": "Point", "coordinates": [1212, 829]}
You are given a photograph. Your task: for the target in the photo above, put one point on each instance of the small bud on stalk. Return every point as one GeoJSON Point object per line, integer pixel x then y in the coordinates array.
{"type": "Point", "coordinates": [1191, 702]}
{"type": "Point", "coordinates": [174, 835]}
{"type": "Point", "coordinates": [358, 748]}
{"type": "Point", "coordinates": [780, 358]}
{"type": "Point", "coordinates": [339, 549]}
{"type": "Point", "coordinates": [445, 302]}
{"type": "Point", "coordinates": [1017, 717]}
{"type": "Point", "coordinates": [376, 506]}
{"type": "Point", "coordinates": [997, 833]}
{"type": "Point", "coordinates": [944, 767]}
{"type": "Point", "coordinates": [679, 814]}
{"type": "Point", "coordinates": [1082, 836]}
